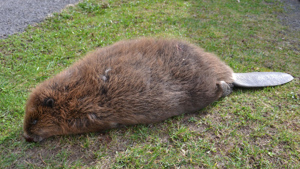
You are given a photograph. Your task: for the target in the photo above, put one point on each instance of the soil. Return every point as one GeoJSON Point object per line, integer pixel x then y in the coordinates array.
{"type": "Point", "coordinates": [291, 17]}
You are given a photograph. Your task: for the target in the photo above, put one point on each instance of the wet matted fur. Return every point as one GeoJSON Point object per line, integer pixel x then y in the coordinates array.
{"type": "Point", "coordinates": [131, 82]}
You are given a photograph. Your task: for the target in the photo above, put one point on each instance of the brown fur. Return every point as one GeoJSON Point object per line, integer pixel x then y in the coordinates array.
{"type": "Point", "coordinates": [131, 82]}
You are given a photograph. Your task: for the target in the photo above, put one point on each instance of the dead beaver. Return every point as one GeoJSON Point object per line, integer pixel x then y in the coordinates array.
{"type": "Point", "coordinates": [131, 82]}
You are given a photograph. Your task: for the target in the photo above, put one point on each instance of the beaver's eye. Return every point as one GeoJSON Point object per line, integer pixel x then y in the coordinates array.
{"type": "Point", "coordinates": [49, 102]}
{"type": "Point", "coordinates": [34, 121]}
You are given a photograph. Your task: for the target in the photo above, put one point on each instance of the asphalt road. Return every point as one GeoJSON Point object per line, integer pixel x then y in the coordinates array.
{"type": "Point", "coordinates": [16, 15]}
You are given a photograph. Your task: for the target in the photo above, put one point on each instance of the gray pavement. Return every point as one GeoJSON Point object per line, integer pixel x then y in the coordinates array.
{"type": "Point", "coordinates": [16, 15]}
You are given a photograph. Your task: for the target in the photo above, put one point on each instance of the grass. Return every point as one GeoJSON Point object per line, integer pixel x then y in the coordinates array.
{"type": "Point", "coordinates": [248, 129]}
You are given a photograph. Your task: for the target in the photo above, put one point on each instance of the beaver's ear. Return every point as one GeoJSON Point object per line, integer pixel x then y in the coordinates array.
{"type": "Point", "coordinates": [49, 102]}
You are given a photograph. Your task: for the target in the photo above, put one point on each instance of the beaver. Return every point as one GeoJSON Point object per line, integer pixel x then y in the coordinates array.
{"type": "Point", "coordinates": [137, 81]}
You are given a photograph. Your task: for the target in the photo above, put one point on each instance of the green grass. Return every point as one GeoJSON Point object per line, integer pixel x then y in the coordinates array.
{"type": "Point", "coordinates": [248, 129]}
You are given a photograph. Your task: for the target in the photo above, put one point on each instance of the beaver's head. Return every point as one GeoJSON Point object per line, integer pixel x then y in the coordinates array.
{"type": "Point", "coordinates": [69, 103]}
{"type": "Point", "coordinates": [41, 119]}
{"type": "Point", "coordinates": [61, 106]}
{"type": "Point", "coordinates": [46, 112]}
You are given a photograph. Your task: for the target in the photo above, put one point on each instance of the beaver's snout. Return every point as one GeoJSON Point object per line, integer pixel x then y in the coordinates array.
{"type": "Point", "coordinates": [28, 139]}
{"type": "Point", "coordinates": [32, 138]}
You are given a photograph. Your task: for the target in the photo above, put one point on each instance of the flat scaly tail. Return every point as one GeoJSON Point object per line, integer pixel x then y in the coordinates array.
{"type": "Point", "coordinates": [261, 79]}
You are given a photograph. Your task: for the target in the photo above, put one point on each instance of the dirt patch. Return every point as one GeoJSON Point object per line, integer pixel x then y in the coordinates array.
{"type": "Point", "coordinates": [292, 14]}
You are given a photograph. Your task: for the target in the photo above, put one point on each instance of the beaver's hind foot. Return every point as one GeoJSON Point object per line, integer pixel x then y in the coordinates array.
{"type": "Point", "coordinates": [227, 88]}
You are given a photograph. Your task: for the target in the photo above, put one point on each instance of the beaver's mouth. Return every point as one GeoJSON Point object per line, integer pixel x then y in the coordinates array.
{"type": "Point", "coordinates": [32, 138]}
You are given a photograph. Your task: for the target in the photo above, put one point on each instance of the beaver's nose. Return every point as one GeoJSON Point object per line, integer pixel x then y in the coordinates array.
{"type": "Point", "coordinates": [28, 139]}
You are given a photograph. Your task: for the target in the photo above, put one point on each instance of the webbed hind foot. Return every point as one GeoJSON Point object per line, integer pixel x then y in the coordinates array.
{"type": "Point", "coordinates": [227, 88]}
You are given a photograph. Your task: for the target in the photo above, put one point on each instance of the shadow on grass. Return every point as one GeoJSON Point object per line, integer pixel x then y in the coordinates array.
{"type": "Point", "coordinates": [84, 149]}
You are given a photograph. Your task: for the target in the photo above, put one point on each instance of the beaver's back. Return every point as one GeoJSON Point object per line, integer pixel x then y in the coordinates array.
{"type": "Point", "coordinates": [155, 79]}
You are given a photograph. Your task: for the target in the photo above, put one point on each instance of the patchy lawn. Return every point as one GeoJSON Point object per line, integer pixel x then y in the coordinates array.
{"type": "Point", "coordinates": [256, 128]}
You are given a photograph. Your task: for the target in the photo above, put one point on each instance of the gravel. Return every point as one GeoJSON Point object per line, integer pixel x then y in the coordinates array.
{"type": "Point", "coordinates": [16, 15]}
